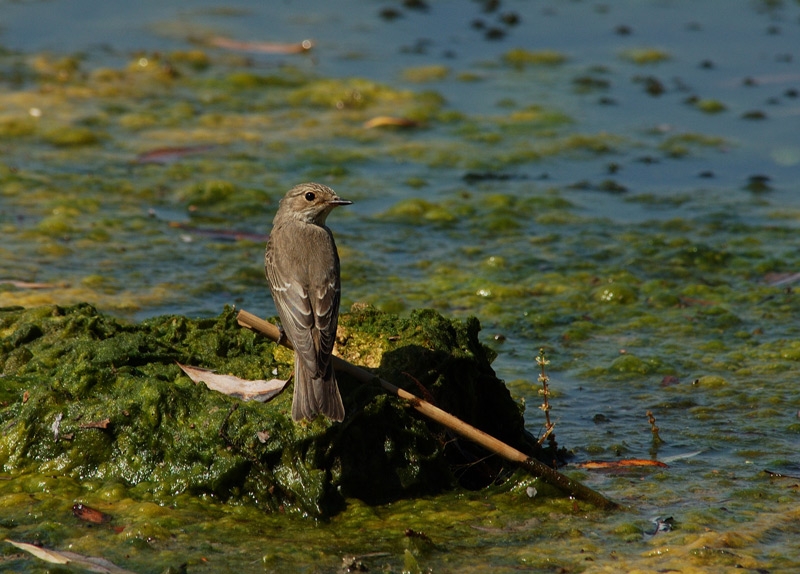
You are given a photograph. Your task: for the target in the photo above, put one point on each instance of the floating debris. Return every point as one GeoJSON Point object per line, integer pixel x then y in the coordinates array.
{"type": "Point", "coordinates": [389, 121]}
{"type": "Point", "coordinates": [477, 176]}
{"type": "Point", "coordinates": [29, 285]}
{"type": "Point", "coordinates": [260, 47]}
{"type": "Point", "coordinates": [56, 426]}
{"type": "Point", "coordinates": [773, 474]}
{"type": "Point", "coordinates": [103, 424]}
{"type": "Point", "coordinates": [624, 463]}
{"type": "Point", "coordinates": [779, 279]}
{"type": "Point", "coordinates": [758, 183]}
{"type": "Point", "coordinates": [662, 525]}
{"type": "Point", "coordinates": [229, 234]}
{"type": "Point", "coordinates": [168, 155]}
{"type": "Point", "coordinates": [681, 456]}
{"type": "Point", "coordinates": [89, 514]}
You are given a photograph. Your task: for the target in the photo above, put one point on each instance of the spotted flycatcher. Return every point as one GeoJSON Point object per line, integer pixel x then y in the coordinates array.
{"type": "Point", "coordinates": [302, 267]}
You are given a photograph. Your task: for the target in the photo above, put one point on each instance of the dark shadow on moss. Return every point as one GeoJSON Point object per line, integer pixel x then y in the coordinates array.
{"type": "Point", "coordinates": [451, 368]}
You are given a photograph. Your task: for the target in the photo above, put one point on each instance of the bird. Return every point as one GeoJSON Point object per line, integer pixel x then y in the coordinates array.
{"type": "Point", "coordinates": [302, 269]}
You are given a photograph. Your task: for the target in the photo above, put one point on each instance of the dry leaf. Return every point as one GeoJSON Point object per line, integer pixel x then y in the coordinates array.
{"type": "Point", "coordinates": [43, 553]}
{"type": "Point", "coordinates": [232, 386]}
{"type": "Point", "coordinates": [90, 563]}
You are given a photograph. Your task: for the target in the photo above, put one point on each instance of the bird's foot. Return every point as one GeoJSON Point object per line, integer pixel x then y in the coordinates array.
{"type": "Point", "coordinates": [281, 336]}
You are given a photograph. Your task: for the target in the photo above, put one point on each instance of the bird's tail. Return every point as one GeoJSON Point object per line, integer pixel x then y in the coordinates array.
{"type": "Point", "coordinates": [316, 395]}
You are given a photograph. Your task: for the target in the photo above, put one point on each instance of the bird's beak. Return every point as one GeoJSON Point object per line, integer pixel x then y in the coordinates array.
{"type": "Point", "coordinates": [339, 201]}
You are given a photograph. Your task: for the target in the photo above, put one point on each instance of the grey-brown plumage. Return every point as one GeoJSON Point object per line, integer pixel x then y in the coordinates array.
{"type": "Point", "coordinates": [302, 267]}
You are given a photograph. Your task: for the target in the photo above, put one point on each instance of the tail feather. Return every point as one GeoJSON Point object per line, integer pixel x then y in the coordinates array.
{"type": "Point", "coordinates": [313, 396]}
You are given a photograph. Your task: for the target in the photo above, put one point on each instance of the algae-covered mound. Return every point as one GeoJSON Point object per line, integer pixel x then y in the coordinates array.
{"type": "Point", "coordinates": [91, 396]}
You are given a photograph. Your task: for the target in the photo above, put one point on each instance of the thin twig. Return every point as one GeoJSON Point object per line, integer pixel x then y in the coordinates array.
{"type": "Point", "coordinates": [455, 424]}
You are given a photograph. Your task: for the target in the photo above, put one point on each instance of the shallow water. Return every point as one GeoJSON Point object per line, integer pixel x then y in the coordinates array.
{"type": "Point", "coordinates": [623, 192]}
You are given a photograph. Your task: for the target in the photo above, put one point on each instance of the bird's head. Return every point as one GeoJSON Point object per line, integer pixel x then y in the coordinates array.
{"type": "Point", "coordinates": [310, 203]}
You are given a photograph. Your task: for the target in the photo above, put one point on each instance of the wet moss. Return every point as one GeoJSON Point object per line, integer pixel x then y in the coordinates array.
{"type": "Point", "coordinates": [241, 80]}
{"type": "Point", "coordinates": [645, 56]}
{"type": "Point", "coordinates": [418, 210]}
{"type": "Point", "coordinates": [618, 293]}
{"type": "Point", "coordinates": [629, 364]}
{"type": "Point", "coordinates": [710, 106]}
{"type": "Point", "coordinates": [103, 398]}
{"type": "Point", "coordinates": [17, 127]}
{"type": "Point", "coordinates": [532, 117]}
{"type": "Point", "coordinates": [424, 74]}
{"type": "Point", "coordinates": [199, 60]}
{"type": "Point", "coordinates": [353, 93]}
{"type": "Point", "coordinates": [54, 67]}
{"type": "Point", "coordinates": [72, 136]}
{"type": "Point", "coordinates": [520, 58]}
{"type": "Point", "coordinates": [208, 193]}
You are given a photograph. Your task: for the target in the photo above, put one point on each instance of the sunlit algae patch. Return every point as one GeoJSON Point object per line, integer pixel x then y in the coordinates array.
{"type": "Point", "coordinates": [90, 396]}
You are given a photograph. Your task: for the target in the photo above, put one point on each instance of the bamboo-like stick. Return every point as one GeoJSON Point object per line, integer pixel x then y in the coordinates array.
{"type": "Point", "coordinates": [490, 443]}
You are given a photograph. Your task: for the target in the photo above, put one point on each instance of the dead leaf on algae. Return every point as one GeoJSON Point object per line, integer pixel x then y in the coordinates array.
{"type": "Point", "coordinates": [232, 386]}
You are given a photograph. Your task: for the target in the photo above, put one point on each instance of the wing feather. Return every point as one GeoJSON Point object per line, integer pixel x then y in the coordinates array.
{"type": "Point", "coordinates": [309, 315]}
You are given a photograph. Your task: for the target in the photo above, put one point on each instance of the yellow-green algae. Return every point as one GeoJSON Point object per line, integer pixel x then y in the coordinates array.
{"type": "Point", "coordinates": [422, 74]}
{"type": "Point", "coordinates": [710, 106]}
{"type": "Point", "coordinates": [682, 144]}
{"type": "Point", "coordinates": [645, 56]}
{"type": "Point", "coordinates": [520, 58]}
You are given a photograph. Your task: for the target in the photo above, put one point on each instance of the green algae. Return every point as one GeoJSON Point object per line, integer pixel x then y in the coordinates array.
{"type": "Point", "coordinates": [645, 56]}
{"type": "Point", "coordinates": [710, 106]}
{"type": "Point", "coordinates": [351, 93]}
{"type": "Point", "coordinates": [166, 436]}
{"type": "Point", "coordinates": [521, 58]}
{"type": "Point", "coordinates": [424, 74]}
{"type": "Point", "coordinates": [680, 145]}
{"type": "Point", "coordinates": [69, 136]}
{"type": "Point", "coordinates": [17, 127]}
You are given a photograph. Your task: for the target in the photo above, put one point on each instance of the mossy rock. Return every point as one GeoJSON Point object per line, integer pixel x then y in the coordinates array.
{"type": "Point", "coordinates": [90, 396]}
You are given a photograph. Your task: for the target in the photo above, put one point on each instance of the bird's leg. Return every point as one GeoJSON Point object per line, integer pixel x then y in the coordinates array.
{"type": "Point", "coordinates": [281, 335]}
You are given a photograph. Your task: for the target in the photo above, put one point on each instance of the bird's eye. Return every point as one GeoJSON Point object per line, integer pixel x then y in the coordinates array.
{"type": "Point", "coordinates": [310, 196]}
